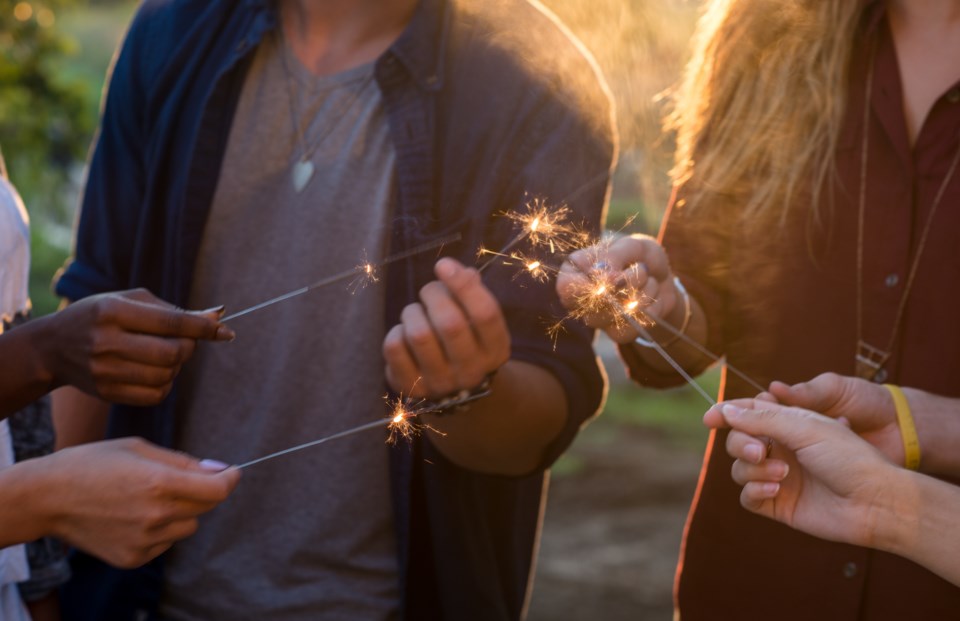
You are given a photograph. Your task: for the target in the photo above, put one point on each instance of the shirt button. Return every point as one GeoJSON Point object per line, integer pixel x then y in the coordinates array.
{"type": "Point", "coordinates": [891, 280]}
{"type": "Point", "coordinates": [850, 569]}
{"type": "Point", "coordinates": [953, 95]}
{"type": "Point", "coordinates": [879, 378]}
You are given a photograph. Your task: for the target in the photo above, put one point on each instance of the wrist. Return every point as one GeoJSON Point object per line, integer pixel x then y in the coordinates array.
{"type": "Point", "coordinates": [41, 355]}
{"type": "Point", "coordinates": [895, 513]}
{"type": "Point", "coordinates": [27, 491]}
{"type": "Point", "coordinates": [938, 431]}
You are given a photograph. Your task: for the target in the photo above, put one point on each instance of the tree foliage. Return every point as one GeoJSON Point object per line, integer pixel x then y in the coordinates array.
{"type": "Point", "coordinates": [44, 127]}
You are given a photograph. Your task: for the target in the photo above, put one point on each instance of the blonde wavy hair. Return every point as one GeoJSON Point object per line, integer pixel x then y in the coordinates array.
{"type": "Point", "coordinates": [758, 113]}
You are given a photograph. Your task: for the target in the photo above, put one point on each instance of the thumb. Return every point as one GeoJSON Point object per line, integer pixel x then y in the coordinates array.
{"type": "Point", "coordinates": [808, 395]}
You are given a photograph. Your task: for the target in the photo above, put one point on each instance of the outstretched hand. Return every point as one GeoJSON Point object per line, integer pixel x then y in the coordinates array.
{"type": "Point", "coordinates": [817, 476]}
{"type": "Point", "coordinates": [124, 347]}
{"type": "Point", "coordinates": [866, 406]}
{"type": "Point", "coordinates": [125, 501]}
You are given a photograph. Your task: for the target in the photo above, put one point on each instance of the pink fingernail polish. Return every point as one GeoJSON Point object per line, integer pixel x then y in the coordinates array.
{"type": "Point", "coordinates": [213, 465]}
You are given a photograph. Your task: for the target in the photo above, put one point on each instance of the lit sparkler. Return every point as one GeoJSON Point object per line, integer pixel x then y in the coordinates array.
{"type": "Point", "coordinates": [363, 273]}
{"type": "Point", "coordinates": [603, 291]}
{"type": "Point", "coordinates": [403, 422]}
{"type": "Point", "coordinates": [542, 225]}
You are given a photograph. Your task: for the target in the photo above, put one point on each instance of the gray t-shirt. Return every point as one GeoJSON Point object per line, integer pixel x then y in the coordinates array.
{"type": "Point", "coordinates": [309, 535]}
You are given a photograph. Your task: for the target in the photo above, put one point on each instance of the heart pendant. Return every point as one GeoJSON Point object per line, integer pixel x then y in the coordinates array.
{"type": "Point", "coordinates": [302, 173]}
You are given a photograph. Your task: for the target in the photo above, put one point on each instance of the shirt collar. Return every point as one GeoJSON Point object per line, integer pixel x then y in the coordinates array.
{"type": "Point", "coordinates": [421, 47]}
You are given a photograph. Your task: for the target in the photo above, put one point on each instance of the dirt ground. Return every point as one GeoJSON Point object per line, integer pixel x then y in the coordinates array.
{"type": "Point", "coordinates": [613, 526]}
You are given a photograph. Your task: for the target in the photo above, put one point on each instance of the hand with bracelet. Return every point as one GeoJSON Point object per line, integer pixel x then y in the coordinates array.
{"type": "Point", "coordinates": [640, 263]}
{"type": "Point", "coordinates": [450, 340]}
{"type": "Point", "coordinates": [820, 478]}
{"type": "Point", "coordinates": [922, 433]}
{"type": "Point", "coordinates": [451, 343]}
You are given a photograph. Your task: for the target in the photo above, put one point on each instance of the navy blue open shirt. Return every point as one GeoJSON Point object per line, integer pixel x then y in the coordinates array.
{"type": "Point", "coordinates": [489, 105]}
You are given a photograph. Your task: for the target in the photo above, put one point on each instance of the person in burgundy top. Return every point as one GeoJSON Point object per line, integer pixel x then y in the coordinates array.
{"type": "Point", "coordinates": [813, 229]}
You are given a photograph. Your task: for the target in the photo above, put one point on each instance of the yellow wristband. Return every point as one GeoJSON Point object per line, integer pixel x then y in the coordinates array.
{"type": "Point", "coordinates": [908, 430]}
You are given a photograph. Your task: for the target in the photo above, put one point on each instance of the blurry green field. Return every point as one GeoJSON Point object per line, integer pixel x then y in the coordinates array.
{"type": "Point", "coordinates": [675, 413]}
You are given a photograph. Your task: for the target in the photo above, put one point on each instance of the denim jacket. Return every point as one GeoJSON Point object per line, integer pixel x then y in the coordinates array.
{"type": "Point", "coordinates": [490, 104]}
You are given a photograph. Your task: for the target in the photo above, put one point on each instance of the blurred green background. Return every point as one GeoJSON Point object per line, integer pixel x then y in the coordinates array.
{"type": "Point", "coordinates": [54, 56]}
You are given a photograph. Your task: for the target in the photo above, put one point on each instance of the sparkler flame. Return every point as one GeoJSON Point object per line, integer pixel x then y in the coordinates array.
{"type": "Point", "coordinates": [544, 225]}
{"type": "Point", "coordinates": [404, 419]}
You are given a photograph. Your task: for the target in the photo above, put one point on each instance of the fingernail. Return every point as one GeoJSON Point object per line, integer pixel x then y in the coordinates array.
{"type": "Point", "coordinates": [447, 268]}
{"type": "Point", "coordinates": [770, 489]}
{"type": "Point", "coordinates": [754, 453]}
{"type": "Point", "coordinates": [224, 333]}
{"type": "Point", "coordinates": [784, 471]}
{"type": "Point", "coordinates": [213, 465]}
{"type": "Point", "coordinates": [215, 309]}
{"type": "Point", "coordinates": [732, 410]}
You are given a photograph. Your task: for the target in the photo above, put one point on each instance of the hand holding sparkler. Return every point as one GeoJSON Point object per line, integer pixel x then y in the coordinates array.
{"type": "Point", "coordinates": [450, 340]}
{"type": "Point", "coordinates": [636, 265]}
{"type": "Point", "coordinates": [870, 410]}
{"type": "Point", "coordinates": [125, 501]}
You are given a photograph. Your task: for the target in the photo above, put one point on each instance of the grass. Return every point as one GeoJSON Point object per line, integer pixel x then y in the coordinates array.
{"type": "Point", "coordinates": [675, 414]}
{"type": "Point", "coordinates": [676, 411]}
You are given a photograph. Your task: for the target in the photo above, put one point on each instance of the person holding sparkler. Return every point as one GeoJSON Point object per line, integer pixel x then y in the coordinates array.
{"type": "Point", "coordinates": [811, 229]}
{"type": "Point", "coordinates": [125, 501]}
{"type": "Point", "coordinates": [249, 148]}
{"type": "Point", "coordinates": [822, 479]}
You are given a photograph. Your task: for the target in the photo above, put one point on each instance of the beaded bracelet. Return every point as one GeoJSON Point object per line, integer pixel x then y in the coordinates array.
{"type": "Point", "coordinates": [458, 401]}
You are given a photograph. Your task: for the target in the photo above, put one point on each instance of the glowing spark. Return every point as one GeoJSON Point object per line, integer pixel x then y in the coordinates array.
{"type": "Point", "coordinates": [547, 226]}
{"type": "Point", "coordinates": [541, 225]}
{"type": "Point", "coordinates": [402, 423]}
{"type": "Point", "coordinates": [632, 305]}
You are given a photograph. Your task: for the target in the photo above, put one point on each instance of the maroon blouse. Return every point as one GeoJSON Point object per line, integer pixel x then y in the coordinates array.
{"type": "Point", "coordinates": [735, 565]}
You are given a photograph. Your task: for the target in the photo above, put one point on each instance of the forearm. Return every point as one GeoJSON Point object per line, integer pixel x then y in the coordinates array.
{"type": "Point", "coordinates": [78, 418]}
{"type": "Point", "coordinates": [918, 521]}
{"type": "Point", "coordinates": [24, 490]}
{"type": "Point", "coordinates": [25, 373]}
{"type": "Point", "coordinates": [938, 428]}
{"type": "Point", "coordinates": [508, 432]}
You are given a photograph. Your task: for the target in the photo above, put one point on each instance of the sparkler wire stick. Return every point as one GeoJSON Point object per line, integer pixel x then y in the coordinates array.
{"type": "Point", "coordinates": [644, 334]}
{"type": "Point", "coordinates": [349, 432]}
{"type": "Point", "coordinates": [692, 342]}
{"type": "Point", "coordinates": [329, 280]}
{"type": "Point", "coordinates": [399, 417]}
